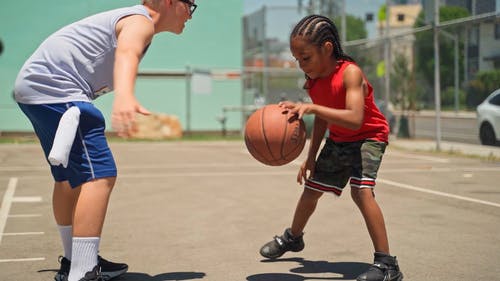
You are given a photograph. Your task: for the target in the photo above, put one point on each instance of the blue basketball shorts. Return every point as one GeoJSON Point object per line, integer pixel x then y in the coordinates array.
{"type": "Point", "coordinates": [341, 162]}
{"type": "Point", "coordinates": [90, 157]}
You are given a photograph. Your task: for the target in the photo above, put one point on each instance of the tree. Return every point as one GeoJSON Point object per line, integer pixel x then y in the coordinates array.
{"type": "Point", "coordinates": [424, 49]}
{"type": "Point", "coordinates": [403, 83]}
{"type": "Point", "coordinates": [483, 85]}
{"type": "Point", "coordinates": [355, 30]}
{"type": "Point", "coordinates": [355, 27]}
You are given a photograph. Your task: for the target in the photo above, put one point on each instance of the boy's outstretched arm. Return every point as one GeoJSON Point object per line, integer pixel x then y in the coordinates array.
{"type": "Point", "coordinates": [134, 33]}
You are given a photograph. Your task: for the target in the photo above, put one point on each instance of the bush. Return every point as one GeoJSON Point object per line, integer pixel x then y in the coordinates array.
{"type": "Point", "coordinates": [448, 97]}
{"type": "Point", "coordinates": [479, 88]}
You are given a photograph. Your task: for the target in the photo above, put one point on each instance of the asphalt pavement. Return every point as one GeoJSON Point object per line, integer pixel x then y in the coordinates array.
{"type": "Point", "coordinates": [201, 211]}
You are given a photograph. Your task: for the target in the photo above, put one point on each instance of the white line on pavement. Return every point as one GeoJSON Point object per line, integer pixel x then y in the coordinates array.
{"type": "Point", "coordinates": [150, 166]}
{"type": "Point", "coordinates": [25, 216]}
{"type": "Point", "coordinates": [439, 193]}
{"type": "Point", "coordinates": [21, 233]}
{"type": "Point", "coordinates": [420, 157]}
{"type": "Point", "coordinates": [434, 169]}
{"type": "Point", "coordinates": [21, 260]}
{"type": "Point", "coordinates": [22, 168]}
{"type": "Point", "coordinates": [27, 199]}
{"type": "Point", "coordinates": [6, 203]}
{"type": "Point", "coordinates": [194, 174]}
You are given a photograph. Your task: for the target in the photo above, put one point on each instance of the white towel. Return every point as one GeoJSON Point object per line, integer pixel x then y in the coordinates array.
{"type": "Point", "coordinates": [65, 136]}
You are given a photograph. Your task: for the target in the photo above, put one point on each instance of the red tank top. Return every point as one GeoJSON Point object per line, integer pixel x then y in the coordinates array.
{"type": "Point", "coordinates": [330, 91]}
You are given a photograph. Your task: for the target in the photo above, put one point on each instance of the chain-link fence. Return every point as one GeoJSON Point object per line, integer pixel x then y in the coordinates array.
{"type": "Point", "coordinates": [469, 57]}
{"type": "Point", "coordinates": [469, 45]}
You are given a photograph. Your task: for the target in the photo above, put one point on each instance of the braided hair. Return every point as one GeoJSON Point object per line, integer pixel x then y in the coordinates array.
{"type": "Point", "coordinates": [319, 29]}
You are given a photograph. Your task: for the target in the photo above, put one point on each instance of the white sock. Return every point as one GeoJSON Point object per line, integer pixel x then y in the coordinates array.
{"type": "Point", "coordinates": [84, 256]}
{"type": "Point", "coordinates": [66, 232]}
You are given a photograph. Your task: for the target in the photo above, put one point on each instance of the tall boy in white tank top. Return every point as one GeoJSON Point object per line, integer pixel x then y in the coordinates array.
{"type": "Point", "coordinates": [72, 67]}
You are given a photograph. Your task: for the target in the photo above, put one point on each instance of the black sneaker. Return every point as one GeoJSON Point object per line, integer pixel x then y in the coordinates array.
{"type": "Point", "coordinates": [63, 272]}
{"type": "Point", "coordinates": [281, 244]}
{"type": "Point", "coordinates": [94, 275]}
{"type": "Point", "coordinates": [384, 268]}
{"type": "Point", "coordinates": [109, 269]}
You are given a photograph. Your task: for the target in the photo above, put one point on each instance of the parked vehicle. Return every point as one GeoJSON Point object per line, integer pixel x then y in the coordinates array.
{"type": "Point", "coordinates": [488, 118]}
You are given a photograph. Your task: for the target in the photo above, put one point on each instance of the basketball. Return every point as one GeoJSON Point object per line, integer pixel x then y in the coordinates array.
{"type": "Point", "coordinates": [274, 136]}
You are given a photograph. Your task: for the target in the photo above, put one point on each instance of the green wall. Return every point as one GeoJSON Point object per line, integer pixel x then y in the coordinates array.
{"type": "Point", "coordinates": [212, 40]}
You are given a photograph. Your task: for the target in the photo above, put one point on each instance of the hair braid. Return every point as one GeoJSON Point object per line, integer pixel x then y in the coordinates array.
{"type": "Point", "coordinates": [318, 30]}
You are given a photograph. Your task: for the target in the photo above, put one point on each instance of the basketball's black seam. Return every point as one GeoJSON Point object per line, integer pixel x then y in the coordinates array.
{"type": "Point", "coordinates": [283, 139]}
{"type": "Point", "coordinates": [249, 142]}
{"type": "Point", "coordinates": [264, 134]}
{"type": "Point", "coordinates": [298, 146]}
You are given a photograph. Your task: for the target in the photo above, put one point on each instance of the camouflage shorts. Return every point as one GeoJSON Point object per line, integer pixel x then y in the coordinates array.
{"type": "Point", "coordinates": [339, 162]}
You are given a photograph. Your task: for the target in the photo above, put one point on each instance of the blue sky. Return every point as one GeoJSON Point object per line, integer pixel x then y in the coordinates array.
{"type": "Point", "coordinates": [358, 8]}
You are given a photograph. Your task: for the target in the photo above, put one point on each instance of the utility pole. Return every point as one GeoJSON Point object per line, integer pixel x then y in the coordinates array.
{"type": "Point", "coordinates": [437, 83]}
{"type": "Point", "coordinates": [387, 56]}
{"type": "Point", "coordinates": [343, 19]}
{"type": "Point", "coordinates": [456, 75]}
{"type": "Point", "coordinates": [466, 54]}
{"type": "Point", "coordinates": [265, 55]}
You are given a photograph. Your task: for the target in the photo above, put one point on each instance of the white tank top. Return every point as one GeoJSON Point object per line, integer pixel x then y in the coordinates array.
{"type": "Point", "coordinates": [75, 63]}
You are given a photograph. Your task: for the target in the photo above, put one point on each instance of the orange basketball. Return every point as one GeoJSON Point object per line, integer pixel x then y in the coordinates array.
{"type": "Point", "coordinates": [274, 136]}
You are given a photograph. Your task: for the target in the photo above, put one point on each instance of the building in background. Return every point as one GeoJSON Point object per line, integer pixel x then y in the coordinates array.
{"type": "Point", "coordinates": [481, 40]}
{"type": "Point", "coordinates": [402, 18]}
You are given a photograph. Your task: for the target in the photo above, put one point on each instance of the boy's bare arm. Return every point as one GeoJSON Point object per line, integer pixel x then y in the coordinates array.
{"type": "Point", "coordinates": [134, 33]}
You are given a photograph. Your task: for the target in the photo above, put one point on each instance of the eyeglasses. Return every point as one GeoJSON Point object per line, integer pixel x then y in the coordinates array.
{"type": "Point", "coordinates": [192, 6]}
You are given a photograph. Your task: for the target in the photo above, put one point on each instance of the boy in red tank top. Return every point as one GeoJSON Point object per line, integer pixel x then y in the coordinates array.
{"type": "Point", "coordinates": [358, 134]}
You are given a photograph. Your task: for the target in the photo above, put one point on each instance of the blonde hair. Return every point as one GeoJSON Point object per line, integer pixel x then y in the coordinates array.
{"type": "Point", "coordinates": [151, 3]}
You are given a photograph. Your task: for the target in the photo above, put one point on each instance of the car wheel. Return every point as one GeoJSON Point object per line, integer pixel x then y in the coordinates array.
{"type": "Point", "coordinates": [487, 135]}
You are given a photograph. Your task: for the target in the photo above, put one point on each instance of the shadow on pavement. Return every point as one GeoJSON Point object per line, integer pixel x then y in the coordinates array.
{"type": "Point", "coordinates": [137, 276]}
{"type": "Point", "coordinates": [347, 270]}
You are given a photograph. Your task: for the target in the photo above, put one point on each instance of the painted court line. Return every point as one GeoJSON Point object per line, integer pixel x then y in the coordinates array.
{"type": "Point", "coordinates": [27, 199]}
{"type": "Point", "coordinates": [22, 168]}
{"type": "Point", "coordinates": [21, 260]}
{"type": "Point", "coordinates": [21, 233]}
{"type": "Point", "coordinates": [420, 157]}
{"type": "Point", "coordinates": [434, 169]}
{"type": "Point", "coordinates": [151, 166]}
{"type": "Point", "coordinates": [208, 174]}
{"type": "Point", "coordinates": [25, 216]}
{"type": "Point", "coordinates": [6, 203]}
{"type": "Point", "coordinates": [439, 193]}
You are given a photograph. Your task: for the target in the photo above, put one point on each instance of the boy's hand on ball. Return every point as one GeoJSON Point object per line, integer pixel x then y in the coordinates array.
{"type": "Point", "coordinates": [296, 108]}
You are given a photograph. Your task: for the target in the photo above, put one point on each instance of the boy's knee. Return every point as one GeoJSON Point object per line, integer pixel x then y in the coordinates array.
{"type": "Point", "coordinates": [310, 194]}
{"type": "Point", "coordinates": [362, 194]}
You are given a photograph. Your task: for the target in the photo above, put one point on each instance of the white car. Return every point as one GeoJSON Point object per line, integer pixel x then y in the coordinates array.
{"type": "Point", "coordinates": [488, 117]}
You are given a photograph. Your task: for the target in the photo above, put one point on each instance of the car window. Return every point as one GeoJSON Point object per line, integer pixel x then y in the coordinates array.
{"type": "Point", "coordinates": [495, 100]}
